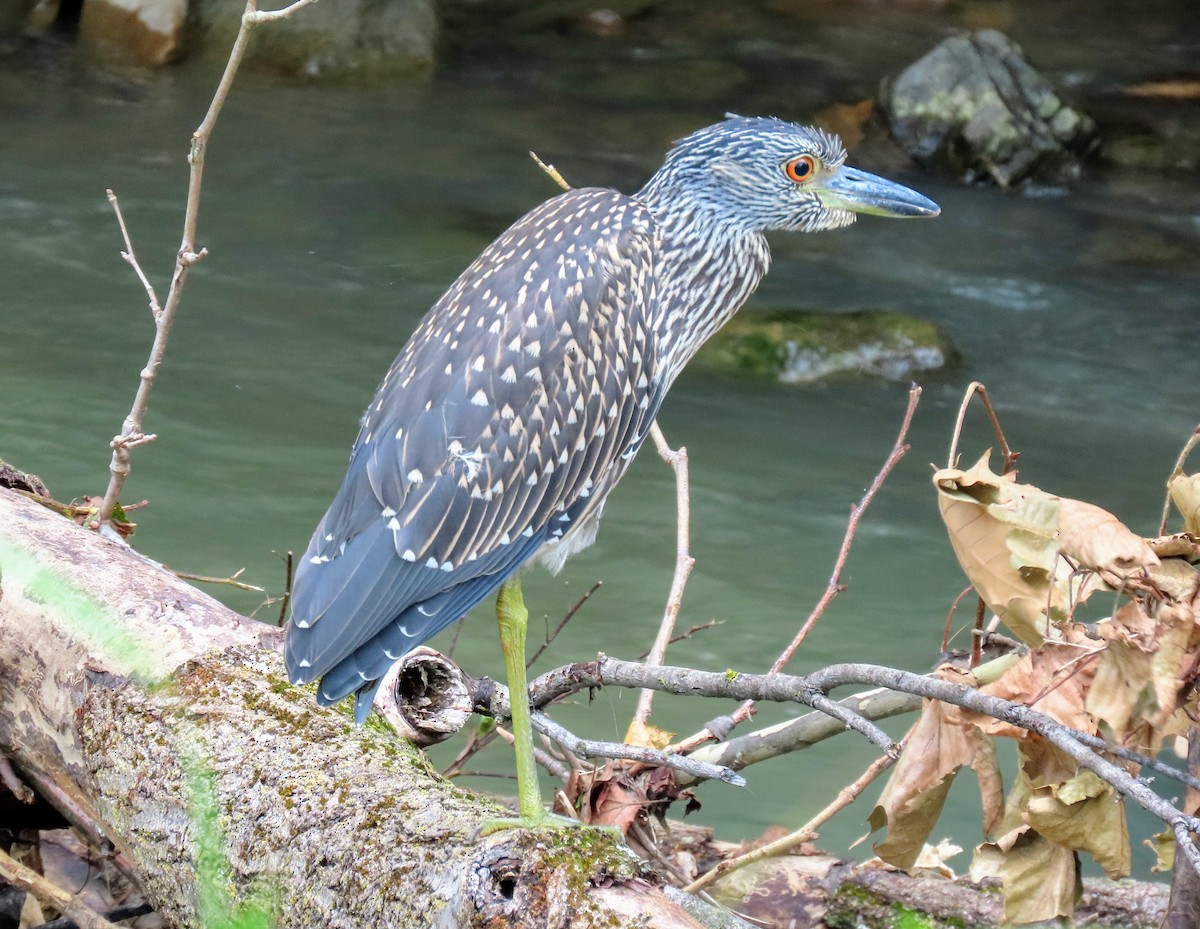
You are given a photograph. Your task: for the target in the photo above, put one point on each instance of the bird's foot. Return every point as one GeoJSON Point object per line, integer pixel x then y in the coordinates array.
{"type": "Point", "coordinates": [542, 820]}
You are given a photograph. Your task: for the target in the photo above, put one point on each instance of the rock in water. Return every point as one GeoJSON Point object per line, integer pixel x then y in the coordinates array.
{"type": "Point", "coordinates": [974, 107]}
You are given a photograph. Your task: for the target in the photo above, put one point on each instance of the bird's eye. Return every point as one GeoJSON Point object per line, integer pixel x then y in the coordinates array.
{"type": "Point", "coordinates": [800, 169]}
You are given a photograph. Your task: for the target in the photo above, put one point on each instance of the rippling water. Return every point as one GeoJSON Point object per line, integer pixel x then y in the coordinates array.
{"type": "Point", "coordinates": [335, 216]}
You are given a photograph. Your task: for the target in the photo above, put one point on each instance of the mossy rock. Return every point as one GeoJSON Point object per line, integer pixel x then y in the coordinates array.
{"type": "Point", "coordinates": [800, 346]}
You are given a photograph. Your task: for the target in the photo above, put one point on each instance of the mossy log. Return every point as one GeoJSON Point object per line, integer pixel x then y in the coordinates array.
{"type": "Point", "coordinates": [119, 683]}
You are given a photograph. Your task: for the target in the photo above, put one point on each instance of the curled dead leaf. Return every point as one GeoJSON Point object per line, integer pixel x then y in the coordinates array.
{"type": "Point", "coordinates": [1094, 538]}
{"type": "Point", "coordinates": [1185, 494]}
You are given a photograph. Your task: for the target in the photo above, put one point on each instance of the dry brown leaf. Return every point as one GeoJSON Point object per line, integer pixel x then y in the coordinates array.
{"type": "Point", "coordinates": [1083, 814]}
{"type": "Point", "coordinates": [936, 747]}
{"type": "Point", "coordinates": [1093, 538]}
{"type": "Point", "coordinates": [1121, 689]}
{"type": "Point", "coordinates": [1180, 545]}
{"type": "Point", "coordinates": [1014, 542]}
{"type": "Point", "coordinates": [979, 508]}
{"type": "Point", "coordinates": [1041, 880]}
{"type": "Point", "coordinates": [847, 120]}
{"type": "Point", "coordinates": [1163, 846]}
{"type": "Point", "coordinates": [1179, 88]}
{"type": "Point", "coordinates": [647, 735]}
{"type": "Point", "coordinates": [1054, 680]}
{"type": "Point", "coordinates": [1170, 658]}
{"type": "Point", "coordinates": [1044, 765]}
{"type": "Point", "coordinates": [986, 765]}
{"type": "Point", "coordinates": [1185, 494]}
{"type": "Point", "coordinates": [1176, 580]}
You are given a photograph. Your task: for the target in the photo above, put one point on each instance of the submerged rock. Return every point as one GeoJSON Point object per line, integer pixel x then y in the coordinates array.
{"type": "Point", "coordinates": [798, 346]}
{"type": "Point", "coordinates": [975, 108]}
{"type": "Point", "coordinates": [143, 32]}
{"type": "Point", "coordinates": [348, 37]}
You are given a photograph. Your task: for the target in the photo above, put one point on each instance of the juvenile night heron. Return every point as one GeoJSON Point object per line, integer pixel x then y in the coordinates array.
{"type": "Point", "coordinates": [524, 394]}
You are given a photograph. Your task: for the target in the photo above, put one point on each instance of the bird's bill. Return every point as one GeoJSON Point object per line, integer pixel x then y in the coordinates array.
{"type": "Point", "coordinates": [861, 192]}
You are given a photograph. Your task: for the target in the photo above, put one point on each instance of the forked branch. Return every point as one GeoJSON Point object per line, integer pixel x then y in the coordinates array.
{"type": "Point", "coordinates": [131, 433]}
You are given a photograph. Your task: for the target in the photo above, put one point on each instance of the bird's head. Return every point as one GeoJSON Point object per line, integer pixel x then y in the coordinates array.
{"type": "Point", "coordinates": [760, 173]}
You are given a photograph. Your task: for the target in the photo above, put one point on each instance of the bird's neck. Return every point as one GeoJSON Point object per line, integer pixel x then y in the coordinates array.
{"type": "Point", "coordinates": [706, 269]}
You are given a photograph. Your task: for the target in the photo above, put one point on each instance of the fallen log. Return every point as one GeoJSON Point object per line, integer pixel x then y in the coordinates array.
{"type": "Point", "coordinates": [121, 686]}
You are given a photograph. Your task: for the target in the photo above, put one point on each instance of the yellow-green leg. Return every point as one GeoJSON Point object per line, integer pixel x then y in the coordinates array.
{"type": "Point", "coordinates": [513, 620]}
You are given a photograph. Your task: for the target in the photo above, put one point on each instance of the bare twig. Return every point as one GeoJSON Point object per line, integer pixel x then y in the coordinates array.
{"type": "Point", "coordinates": [562, 623]}
{"type": "Point", "coordinates": [684, 563]}
{"type": "Point", "coordinates": [586, 748]}
{"type": "Point", "coordinates": [1007, 454]}
{"type": "Point", "coordinates": [805, 833]}
{"type": "Point", "coordinates": [130, 256]}
{"type": "Point", "coordinates": [287, 588]}
{"type": "Point", "coordinates": [552, 171]}
{"type": "Point", "coordinates": [1191, 443]}
{"type": "Point", "coordinates": [231, 581]}
{"type": "Point", "coordinates": [131, 430]}
{"type": "Point", "coordinates": [687, 634]}
{"type": "Point", "coordinates": [30, 881]}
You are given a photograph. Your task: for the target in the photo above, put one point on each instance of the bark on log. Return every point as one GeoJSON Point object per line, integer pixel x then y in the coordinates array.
{"type": "Point", "coordinates": [113, 673]}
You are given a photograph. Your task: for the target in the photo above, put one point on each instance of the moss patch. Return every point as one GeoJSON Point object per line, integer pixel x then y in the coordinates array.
{"type": "Point", "coordinates": [801, 346]}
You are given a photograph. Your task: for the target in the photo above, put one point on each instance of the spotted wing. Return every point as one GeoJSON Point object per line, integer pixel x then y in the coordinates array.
{"type": "Point", "coordinates": [515, 404]}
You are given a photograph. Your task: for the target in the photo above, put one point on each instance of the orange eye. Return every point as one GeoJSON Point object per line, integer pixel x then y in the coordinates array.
{"type": "Point", "coordinates": [800, 169]}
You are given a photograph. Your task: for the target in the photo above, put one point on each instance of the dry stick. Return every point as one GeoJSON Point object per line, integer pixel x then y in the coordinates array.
{"type": "Point", "coordinates": [684, 562]}
{"type": "Point", "coordinates": [562, 623]}
{"type": "Point", "coordinates": [130, 256]}
{"type": "Point", "coordinates": [131, 430]}
{"type": "Point", "coordinates": [805, 833]}
{"type": "Point", "coordinates": [231, 581]}
{"type": "Point", "coordinates": [30, 881]}
{"type": "Point", "coordinates": [1178, 469]}
{"type": "Point", "coordinates": [975, 387]}
{"type": "Point", "coordinates": [834, 587]}
{"type": "Point", "coordinates": [287, 589]}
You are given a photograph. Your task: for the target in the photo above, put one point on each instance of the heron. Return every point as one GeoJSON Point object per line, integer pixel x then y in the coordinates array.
{"type": "Point", "coordinates": [524, 394]}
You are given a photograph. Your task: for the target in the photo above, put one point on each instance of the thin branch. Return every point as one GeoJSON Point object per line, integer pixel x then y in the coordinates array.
{"type": "Point", "coordinates": [287, 588]}
{"type": "Point", "coordinates": [1191, 443]}
{"type": "Point", "coordinates": [1007, 454]}
{"type": "Point", "coordinates": [231, 581]}
{"type": "Point", "coordinates": [795, 734]}
{"type": "Point", "coordinates": [687, 634]}
{"type": "Point", "coordinates": [30, 881]}
{"type": "Point", "coordinates": [562, 623]}
{"type": "Point", "coordinates": [552, 171]}
{"type": "Point", "coordinates": [131, 429]}
{"type": "Point", "coordinates": [131, 257]}
{"type": "Point", "coordinates": [254, 17]}
{"type": "Point", "coordinates": [684, 562]}
{"type": "Point", "coordinates": [805, 833]}
{"type": "Point", "coordinates": [586, 748]}
{"type": "Point", "coordinates": [834, 587]}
